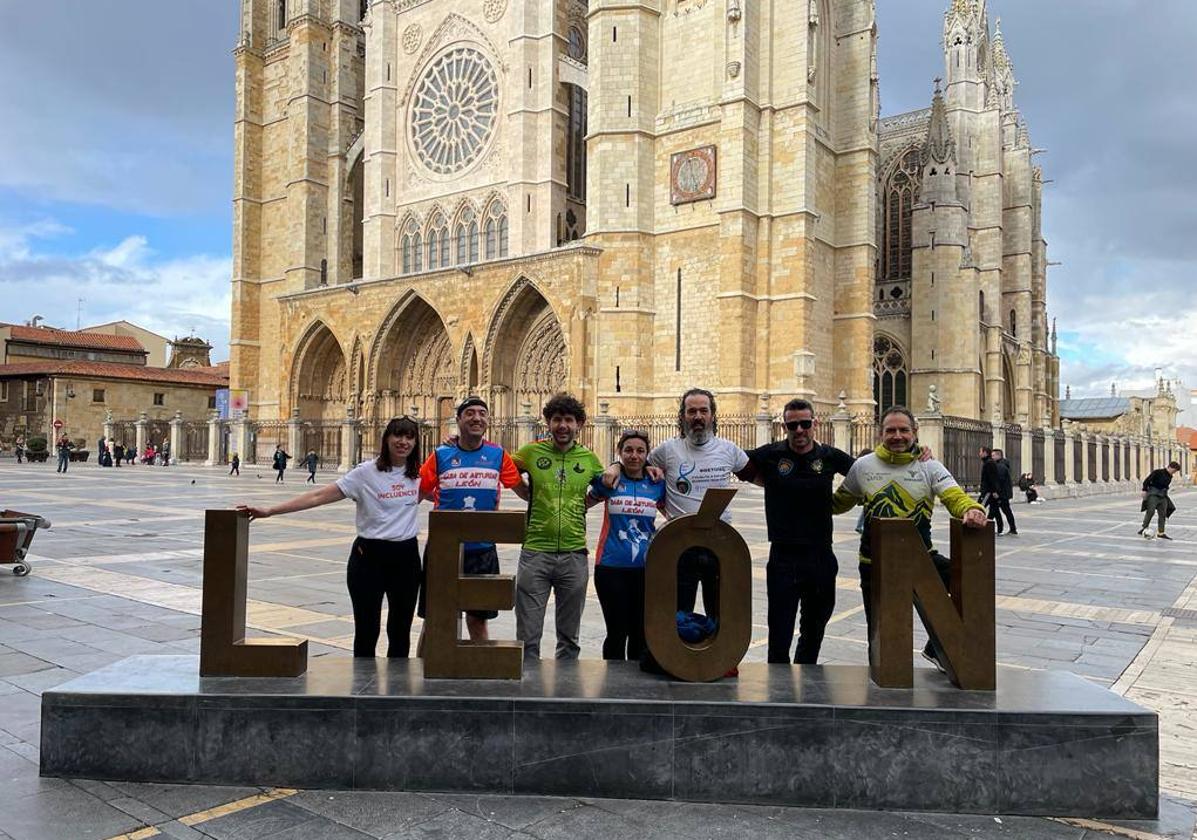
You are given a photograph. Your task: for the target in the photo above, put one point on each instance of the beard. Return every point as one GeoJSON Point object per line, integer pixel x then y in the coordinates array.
{"type": "Point", "coordinates": [698, 436]}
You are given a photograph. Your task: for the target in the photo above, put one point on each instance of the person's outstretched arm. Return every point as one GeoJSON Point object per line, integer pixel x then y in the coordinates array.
{"type": "Point", "coordinates": [313, 498]}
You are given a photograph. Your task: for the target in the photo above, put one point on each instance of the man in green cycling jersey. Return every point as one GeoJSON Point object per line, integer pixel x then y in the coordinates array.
{"type": "Point", "coordinates": [559, 471]}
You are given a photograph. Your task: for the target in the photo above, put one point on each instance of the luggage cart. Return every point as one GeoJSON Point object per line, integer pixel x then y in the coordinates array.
{"type": "Point", "coordinates": [16, 535]}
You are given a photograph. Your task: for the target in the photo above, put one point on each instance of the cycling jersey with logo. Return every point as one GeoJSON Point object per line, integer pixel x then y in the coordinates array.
{"type": "Point", "coordinates": [629, 517]}
{"type": "Point", "coordinates": [557, 511]}
{"type": "Point", "coordinates": [468, 479]}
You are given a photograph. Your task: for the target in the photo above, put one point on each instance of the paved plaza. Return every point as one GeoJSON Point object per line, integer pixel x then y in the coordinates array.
{"type": "Point", "coordinates": [120, 573]}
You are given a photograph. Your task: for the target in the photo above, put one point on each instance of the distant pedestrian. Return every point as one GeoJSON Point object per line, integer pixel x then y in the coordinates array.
{"type": "Point", "coordinates": [19, 446]}
{"type": "Point", "coordinates": [64, 454]}
{"type": "Point", "coordinates": [118, 452]}
{"type": "Point", "coordinates": [992, 490]}
{"type": "Point", "coordinates": [1005, 487]}
{"type": "Point", "coordinates": [1026, 483]}
{"type": "Point", "coordinates": [280, 462]}
{"type": "Point", "coordinates": [165, 454]}
{"type": "Point", "coordinates": [1156, 501]}
{"type": "Point", "coordinates": [235, 465]}
{"type": "Point", "coordinates": [311, 461]}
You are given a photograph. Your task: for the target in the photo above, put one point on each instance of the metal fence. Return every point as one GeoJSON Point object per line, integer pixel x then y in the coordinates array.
{"type": "Point", "coordinates": [1059, 465]}
{"type": "Point", "coordinates": [864, 434]}
{"type": "Point", "coordinates": [1038, 457]}
{"type": "Point", "coordinates": [962, 442]}
{"type": "Point", "coordinates": [324, 439]}
{"type": "Point", "coordinates": [264, 436]}
{"type": "Point", "coordinates": [194, 442]}
{"type": "Point", "coordinates": [1116, 453]}
{"type": "Point", "coordinates": [1078, 460]}
{"type": "Point", "coordinates": [1126, 461]}
{"type": "Point", "coordinates": [1013, 448]}
{"type": "Point", "coordinates": [1092, 447]}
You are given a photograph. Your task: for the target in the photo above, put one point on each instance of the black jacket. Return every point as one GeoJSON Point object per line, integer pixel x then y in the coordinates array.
{"type": "Point", "coordinates": [1157, 483]}
{"type": "Point", "coordinates": [1005, 479]}
{"type": "Point", "coordinates": [990, 480]}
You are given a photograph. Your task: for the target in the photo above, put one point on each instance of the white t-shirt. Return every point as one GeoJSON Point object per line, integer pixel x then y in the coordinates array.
{"type": "Point", "coordinates": [387, 502]}
{"type": "Point", "coordinates": [690, 470]}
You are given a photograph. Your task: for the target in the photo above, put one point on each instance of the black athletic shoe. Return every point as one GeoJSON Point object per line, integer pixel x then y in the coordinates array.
{"type": "Point", "coordinates": [1013, 533]}
{"type": "Point", "coordinates": [1163, 536]}
{"type": "Point", "coordinates": [934, 660]}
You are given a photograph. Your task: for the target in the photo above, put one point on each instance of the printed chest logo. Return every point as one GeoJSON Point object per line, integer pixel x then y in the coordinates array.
{"type": "Point", "coordinates": [816, 466]}
{"type": "Point", "coordinates": [579, 469]}
{"type": "Point", "coordinates": [785, 466]}
{"type": "Point", "coordinates": [455, 462]}
{"type": "Point", "coordinates": [683, 483]}
{"type": "Point", "coordinates": [543, 463]}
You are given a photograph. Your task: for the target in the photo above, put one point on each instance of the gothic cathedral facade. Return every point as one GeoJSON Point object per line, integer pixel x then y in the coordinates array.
{"type": "Point", "coordinates": [961, 296]}
{"type": "Point", "coordinates": [622, 200]}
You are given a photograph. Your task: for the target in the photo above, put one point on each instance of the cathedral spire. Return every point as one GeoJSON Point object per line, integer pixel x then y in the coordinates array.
{"type": "Point", "coordinates": [1003, 69]}
{"type": "Point", "coordinates": [940, 147]}
{"type": "Point", "coordinates": [939, 156]}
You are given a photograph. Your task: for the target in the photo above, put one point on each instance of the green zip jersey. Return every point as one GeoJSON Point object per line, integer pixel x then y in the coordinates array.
{"type": "Point", "coordinates": [557, 511]}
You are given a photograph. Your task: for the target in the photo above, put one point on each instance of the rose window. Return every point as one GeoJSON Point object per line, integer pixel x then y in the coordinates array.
{"type": "Point", "coordinates": [454, 110]}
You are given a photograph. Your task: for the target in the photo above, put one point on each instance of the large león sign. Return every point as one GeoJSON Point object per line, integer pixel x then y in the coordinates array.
{"type": "Point", "coordinates": [959, 619]}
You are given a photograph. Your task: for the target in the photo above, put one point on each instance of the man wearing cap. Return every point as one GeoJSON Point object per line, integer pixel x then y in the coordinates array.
{"type": "Point", "coordinates": [467, 474]}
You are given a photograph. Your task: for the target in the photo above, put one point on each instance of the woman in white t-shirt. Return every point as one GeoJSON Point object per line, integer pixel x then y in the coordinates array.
{"type": "Point", "coordinates": [384, 559]}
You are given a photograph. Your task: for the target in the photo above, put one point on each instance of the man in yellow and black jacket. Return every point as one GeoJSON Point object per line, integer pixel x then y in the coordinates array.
{"type": "Point", "coordinates": [892, 483]}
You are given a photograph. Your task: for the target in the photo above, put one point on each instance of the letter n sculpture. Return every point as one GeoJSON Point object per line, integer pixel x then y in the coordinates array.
{"type": "Point", "coordinates": [224, 650]}
{"type": "Point", "coordinates": [714, 657]}
{"type": "Point", "coordinates": [960, 620]}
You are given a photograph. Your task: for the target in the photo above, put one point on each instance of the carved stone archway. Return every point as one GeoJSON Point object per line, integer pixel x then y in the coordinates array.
{"type": "Point", "coordinates": [321, 386]}
{"type": "Point", "coordinates": [413, 362]}
{"type": "Point", "coordinates": [526, 359]}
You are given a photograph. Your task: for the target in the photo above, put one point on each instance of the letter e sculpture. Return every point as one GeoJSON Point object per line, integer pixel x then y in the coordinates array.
{"type": "Point", "coordinates": [446, 655]}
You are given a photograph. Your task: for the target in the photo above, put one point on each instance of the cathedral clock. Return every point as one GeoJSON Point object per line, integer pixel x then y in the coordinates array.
{"type": "Point", "coordinates": [692, 175]}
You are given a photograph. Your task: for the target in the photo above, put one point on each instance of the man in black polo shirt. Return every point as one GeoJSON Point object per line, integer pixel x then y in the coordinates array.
{"type": "Point", "coordinates": [797, 475]}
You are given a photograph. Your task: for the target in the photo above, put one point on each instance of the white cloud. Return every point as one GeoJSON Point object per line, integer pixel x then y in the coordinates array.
{"type": "Point", "coordinates": [126, 281]}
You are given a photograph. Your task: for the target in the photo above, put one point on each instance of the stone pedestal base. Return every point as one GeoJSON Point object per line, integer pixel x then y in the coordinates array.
{"type": "Point", "coordinates": [1045, 743]}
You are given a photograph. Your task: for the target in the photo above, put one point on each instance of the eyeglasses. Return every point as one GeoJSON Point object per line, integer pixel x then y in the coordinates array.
{"type": "Point", "coordinates": [795, 425]}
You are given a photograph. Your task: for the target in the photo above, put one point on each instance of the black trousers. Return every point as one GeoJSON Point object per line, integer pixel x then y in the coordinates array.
{"type": "Point", "coordinates": [942, 565]}
{"type": "Point", "coordinates": [999, 504]}
{"type": "Point", "coordinates": [377, 568]}
{"type": "Point", "coordinates": [698, 565]}
{"type": "Point", "coordinates": [799, 577]}
{"type": "Point", "coordinates": [621, 595]}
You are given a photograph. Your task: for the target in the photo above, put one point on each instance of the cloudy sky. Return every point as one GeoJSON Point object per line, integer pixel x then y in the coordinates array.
{"type": "Point", "coordinates": [117, 150]}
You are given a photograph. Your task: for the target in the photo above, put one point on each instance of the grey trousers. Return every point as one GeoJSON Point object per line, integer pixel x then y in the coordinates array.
{"type": "Point", "coordinates": [566, 574]}
{"type": "Point", "coordinates": [1156, 506]}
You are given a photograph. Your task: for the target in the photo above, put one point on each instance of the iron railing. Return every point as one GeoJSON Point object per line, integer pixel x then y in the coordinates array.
{"type": "Point", "coordinates": [1038, 457]}
{"type": "Point", "coordinates": [1092, 460]}
{"type": "Point", "coordinates": [1059, 465]}
{"type": "Point", "coordinates": [194, 443]}
{"type": "Point", "coordinates": [1013, 448]}
{"type": "Point", "coordinates": [962, 442]}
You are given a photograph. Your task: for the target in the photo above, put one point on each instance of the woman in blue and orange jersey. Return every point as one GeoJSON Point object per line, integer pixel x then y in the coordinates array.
{"type": "Point", "coordinates": [629, 517]}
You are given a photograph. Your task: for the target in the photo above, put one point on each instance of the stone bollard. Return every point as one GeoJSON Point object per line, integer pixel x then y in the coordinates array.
{"type": "Point", "coordinates": [213, 440]}
{"type": "Point", "coordinates": [176, 437]}
{"type": "Point", "coordinates": [295, 435]}
{"type": "Point", "coordinates": [604, 434]}
{"type": "Point", "coordinates": [525, 426]}
{"type": "Point", "coordinates": [142, 425]}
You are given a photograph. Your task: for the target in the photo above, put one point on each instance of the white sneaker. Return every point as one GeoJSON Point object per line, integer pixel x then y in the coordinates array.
{"type": "Point", "coordinates": [1147, 535]}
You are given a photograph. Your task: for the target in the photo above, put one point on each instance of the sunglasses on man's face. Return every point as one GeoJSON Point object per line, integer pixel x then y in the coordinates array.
{"type": "Point", "coordinates": [795, 425]}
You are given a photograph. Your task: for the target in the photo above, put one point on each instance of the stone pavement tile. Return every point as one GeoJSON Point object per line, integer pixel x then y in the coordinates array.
{"type": "Point", "coordinates": [62, 813]}
{"type": "Point", "coordinates": [454, 824]}
{"type": "Point", "coordinates": [515, 812]}
{"type": "Point", "coordinates": [39, 681]}
{"type": "Point", "coordinates": [1177, 821]}
{"type": "Point", "coordinates": [180, 800]}
{"type": "Point", "coordinates": [18, 777]}
{"type": "Point", "coordinates": [375, 812]}
{"type": "Point", "coordinates": [138, 810]}
{"type": "Point", "coordinates": [278, 820]}
{"type": "Point", "coordinates": [13, 664]}
{"type": "Point", "coordinates": [85, 663]}
{"type": "Point", "coordinates": [177, 831]}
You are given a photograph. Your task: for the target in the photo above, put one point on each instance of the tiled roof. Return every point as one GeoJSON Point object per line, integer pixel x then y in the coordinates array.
{"type": "Point", "coordinates": [70, 338]}
{"type": "Point", "coordinates": [113, 370]}
{"type": "Point", "coordinates": [1187, 436]}
{"type": "Point", "coordinates": [1094, 408]}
